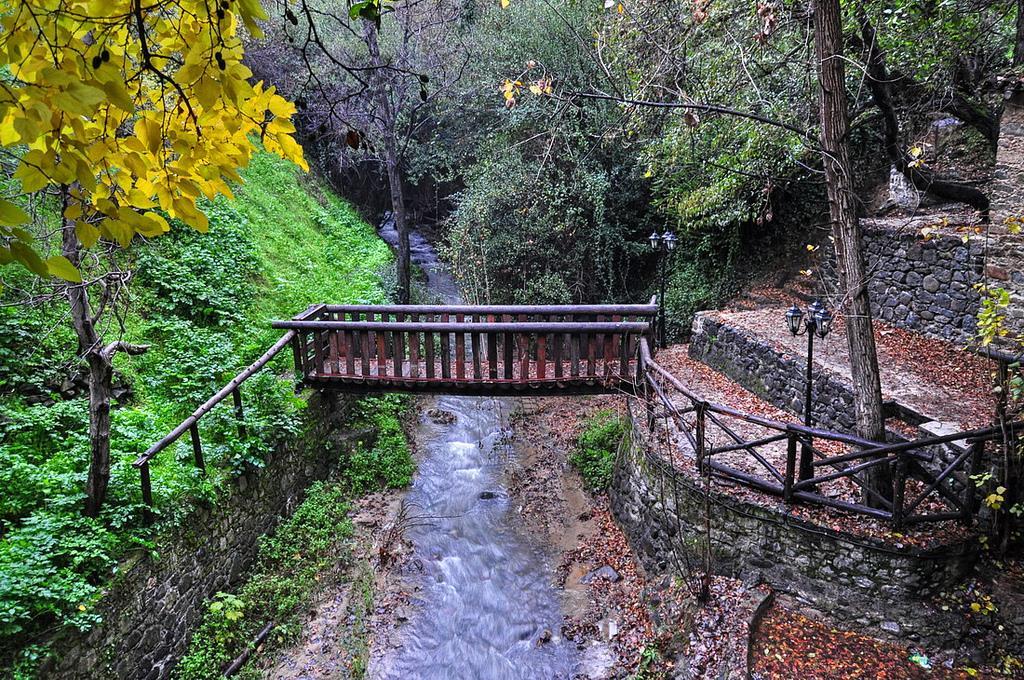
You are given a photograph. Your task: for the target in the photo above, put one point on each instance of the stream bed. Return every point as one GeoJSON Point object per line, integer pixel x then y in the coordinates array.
{"type": "Point", "coordinates": [487, 606]}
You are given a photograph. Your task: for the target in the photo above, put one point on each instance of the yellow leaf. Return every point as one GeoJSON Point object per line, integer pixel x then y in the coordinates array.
{"type": "Point", "coordinates": [61, 267]}
{"type": "Point", "coordinates": [87, 233]}
{"type": "Point", "coordinates": [620, 9]}
{"type": "Point", "coordinates": [505, 4]}
{"type": "Point", "coordinates": [11, 214]}
{"type": "Point", "coordinates": [79, 99]}
{"type": "Point", "coordinates": [148, 132]}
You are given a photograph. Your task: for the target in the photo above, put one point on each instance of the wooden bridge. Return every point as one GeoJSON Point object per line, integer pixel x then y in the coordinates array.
{"type": "Point", "coordinates": [584, 349]}
{"type": "Point", "coordinates": [470, 349]}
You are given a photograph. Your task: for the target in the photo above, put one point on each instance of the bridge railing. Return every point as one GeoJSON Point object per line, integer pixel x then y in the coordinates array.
{"type": "Point", "coordinates": [470, 348]}
{"type": "Point", "coordinates": [190, 424]}
{"type": "Point", "coordinates": [766, 454]}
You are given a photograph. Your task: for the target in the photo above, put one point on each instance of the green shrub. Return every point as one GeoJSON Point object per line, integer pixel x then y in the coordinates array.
{"type": "Point", "coordinates": [596, 446]}
{"type": "Point", "coordinates": [388, 463]}
{"type": "Point", "coordinates": [203, 302]}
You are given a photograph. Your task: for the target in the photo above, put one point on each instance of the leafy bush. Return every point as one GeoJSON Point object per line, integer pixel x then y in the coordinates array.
{"type": "Point", "coordinates": [388, 463]}
{"type": "Point", "coordinates": [203, 303]}
{"type": "Point", "coordinates": [594, 456]}
{"type": "Point", "coordinates": [311, 540]}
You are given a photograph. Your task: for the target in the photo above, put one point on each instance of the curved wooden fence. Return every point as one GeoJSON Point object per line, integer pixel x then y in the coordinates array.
{"type": "Point", "coordinates": [766, 454]}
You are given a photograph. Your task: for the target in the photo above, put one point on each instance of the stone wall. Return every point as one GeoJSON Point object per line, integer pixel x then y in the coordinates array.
{"type": "Point", "coordinates": [154, 603]}
{"type": "Point", "coordinates": [859, 581]}
{"type": "Point", "coordinates": [1005, 265]}
{"type": "Point", "coordinates": [773, 376]}
{"type": "Point", "coordinates": [923, 285]}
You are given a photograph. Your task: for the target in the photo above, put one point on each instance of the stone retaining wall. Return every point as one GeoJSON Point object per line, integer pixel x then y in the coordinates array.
{"type": "Point", "coordinates": [775, 377]}
{"type": "Point", "coordinates": [922, 285]}
{"type": "Point", "coordinates": [154, 603]}
{"type": "Point", "coordinates": [1005, 266]}
{"type": "Point", "coordinates": [859, 581]}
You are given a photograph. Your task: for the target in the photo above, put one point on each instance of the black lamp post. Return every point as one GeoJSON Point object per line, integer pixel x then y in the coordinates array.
{"type": "Point", "coordinates": [817, 321]}
{"type": "Point", "coordinates": [663, 244]}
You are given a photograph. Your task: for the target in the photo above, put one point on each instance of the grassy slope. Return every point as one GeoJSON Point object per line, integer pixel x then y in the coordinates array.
{"type": "Point", "coordinates": [203, 302]}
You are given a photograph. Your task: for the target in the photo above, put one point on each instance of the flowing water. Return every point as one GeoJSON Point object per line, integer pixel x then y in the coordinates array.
{"type": "Point", "coordinates": [488, 608]}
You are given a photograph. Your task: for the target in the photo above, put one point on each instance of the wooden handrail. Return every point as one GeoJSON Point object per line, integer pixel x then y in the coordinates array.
{"type": "Point", "coordinates": [220, 396]}
{"type": "Point", "coordinates": [469, 327]}
{"type": "Point", "coordinates": [624, 310]}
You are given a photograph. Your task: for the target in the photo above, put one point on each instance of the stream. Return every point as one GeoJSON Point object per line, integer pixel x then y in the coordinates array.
{"type": "Point", "coordinates": [487, 607]}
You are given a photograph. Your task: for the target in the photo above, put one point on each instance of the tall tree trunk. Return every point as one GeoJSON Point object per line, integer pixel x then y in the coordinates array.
{"type": "Point", "coordinates": [387, 115]}
{"type": "Point", "coordinates": [398, 213]}
{"type": "Point", "coordinates": [100, 379]}
{"type": "Point", "coordinates": [1018, 44]}
{"type": "Point", "coordinates": [846, 231]}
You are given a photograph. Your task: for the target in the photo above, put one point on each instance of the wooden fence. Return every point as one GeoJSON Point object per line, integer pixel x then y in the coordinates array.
{"type": "Point", "coordinates": [819, 467]}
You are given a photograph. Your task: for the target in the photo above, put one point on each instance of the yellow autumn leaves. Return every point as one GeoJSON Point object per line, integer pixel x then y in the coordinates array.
{"type": "Point", "coordinates": [133, 111]}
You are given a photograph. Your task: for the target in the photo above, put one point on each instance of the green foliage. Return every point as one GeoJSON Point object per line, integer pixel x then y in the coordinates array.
{"type": "Point", "coordinates": [594, 456]}
{"type": "Point", "coordinates": [284, 576]}
{"type": "Point", "coordinates": [203, 304]}
{"type": "Point", "coordinates": [291, 559]}
{"type": "Point", "coordinates": [650, 664]}
{"type": "Point", "coordinates": [388, 462]}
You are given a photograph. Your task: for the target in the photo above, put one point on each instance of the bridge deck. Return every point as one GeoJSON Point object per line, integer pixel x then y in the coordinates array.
{"type": "Point", "coordinates": [466, 349]}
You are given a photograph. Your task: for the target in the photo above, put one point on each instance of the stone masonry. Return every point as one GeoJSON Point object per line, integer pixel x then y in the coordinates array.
{"type": "Point", "coordinates": [924, 285]}
{"type": "Point", "coordinates": [1005, 263]}
{"type": "Point", "coordinates": [864, 582]}
{"type": "Point", "coordinates": [154, 602]}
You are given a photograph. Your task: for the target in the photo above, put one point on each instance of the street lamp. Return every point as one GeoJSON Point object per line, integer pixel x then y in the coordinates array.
{"type": "Point", "coordinates": [817, 321]}
{"type": "Point", "coordinates": [663, 244]}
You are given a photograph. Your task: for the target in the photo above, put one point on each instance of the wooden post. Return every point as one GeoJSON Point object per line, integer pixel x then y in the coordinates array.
{"type": "Point", "coordinates": [701, 435]}
{"type": "Point", "coordinates": [197, 446]}
{"type": "Point", "coordinates": [446, 371]}
{"type": "Point", "coordinates": [787, 488]}
{"type": "Point", "coordinates": [460, 351]}
{"type": "Point", "coordinates": [971, 499]}
{"type": "Point", "coordinates": [899, 489]}
{"type": "Point", "coordinates": [300, 369]}
{"type": "Point", "coordinates": [147, 493]}
{"type": "Point", "coordinates": [236, 396]}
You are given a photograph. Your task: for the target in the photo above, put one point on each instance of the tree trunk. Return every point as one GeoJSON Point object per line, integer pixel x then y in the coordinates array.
{"type": "Point", "coordinates": [100, 386]}
{"type": "Point", "coordinates": [846, 231]}
{"type": "Point", "coordinates": [100, 379]}
{"type": "Point", "coordinates": [1018, 43]}
{"type": "Point", "coordinates": [387, 115]}
{"type": "Point", "coordinates": [398, 213]}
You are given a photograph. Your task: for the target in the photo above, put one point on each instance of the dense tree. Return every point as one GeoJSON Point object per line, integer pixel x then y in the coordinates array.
{"type": "Point", "coordinates": [370, 81]}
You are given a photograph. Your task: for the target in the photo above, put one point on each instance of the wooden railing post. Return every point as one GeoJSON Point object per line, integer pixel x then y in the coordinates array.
{"type": "Point", "coordinates": [899, 490]}
{"type": "Point", "coordinates": [147, 493]}
{"type": "Point", "coordinates": [971, 499]}
{"type": "Point", "coordinates": [236, 396]}
{"type": "Point", "coordinates": [197, 446]}
{"type": "Point", "coordinates": [700, 437]}
{"type": "Point", "coordinates": [300, 369]}
{"type": "Point", "coordinates": [787, 485]}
